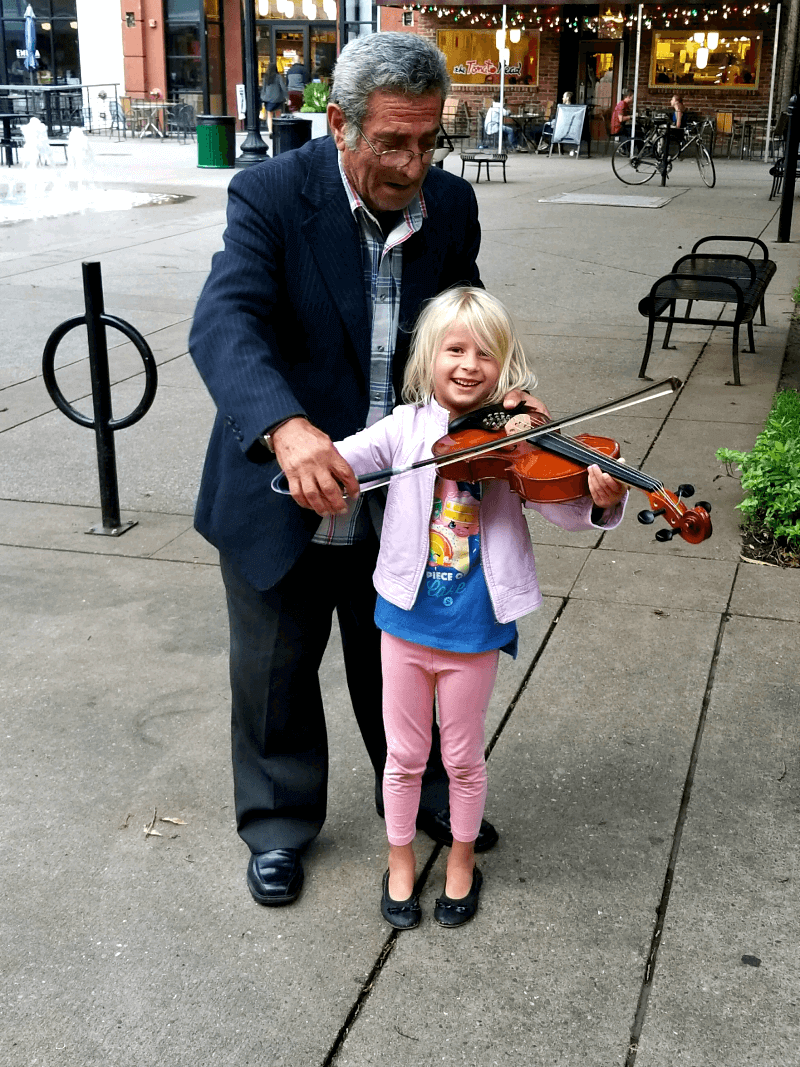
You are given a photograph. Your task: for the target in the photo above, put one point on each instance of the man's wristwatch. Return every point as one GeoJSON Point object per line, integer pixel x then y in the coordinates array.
{"type": "Point", "coordinates": [266, 437]}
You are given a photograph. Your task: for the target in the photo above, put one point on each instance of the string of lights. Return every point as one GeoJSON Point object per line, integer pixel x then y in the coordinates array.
{"type": "Point", "coordinates": [547, 18]}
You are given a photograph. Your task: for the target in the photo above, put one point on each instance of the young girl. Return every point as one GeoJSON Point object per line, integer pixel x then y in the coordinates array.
{"type": "Point", "coordinates": [455, 571]}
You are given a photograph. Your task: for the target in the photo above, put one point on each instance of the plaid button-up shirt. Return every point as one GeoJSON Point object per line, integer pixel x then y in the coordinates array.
{"type": "Point", "coordinates": [383, 270]}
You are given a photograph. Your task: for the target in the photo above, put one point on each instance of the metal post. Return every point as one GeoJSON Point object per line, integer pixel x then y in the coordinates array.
{"type": "Point", "coordinates": [636, 73]}
{"type": "Point", "coordinates": [254, 148]}
{"type": "Point", "coordinates": [789, 172]}
{"type": "Point", "coordinates": [101, 398]}
{"type": "Point", "coordinates": [768, 138]}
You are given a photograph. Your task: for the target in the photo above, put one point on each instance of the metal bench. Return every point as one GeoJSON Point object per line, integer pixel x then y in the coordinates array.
{"type": "Point", "coordinates": [715, 278]}
{"type": "Point", "coordinates": [483, 158]}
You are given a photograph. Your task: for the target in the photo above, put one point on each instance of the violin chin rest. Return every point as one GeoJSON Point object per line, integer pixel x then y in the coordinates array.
{"type": "Point", "coordinates": [490, 417]}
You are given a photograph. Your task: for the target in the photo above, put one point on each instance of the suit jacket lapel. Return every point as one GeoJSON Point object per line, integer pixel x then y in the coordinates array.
{"type": "Point", "coordinates": [332, 235]}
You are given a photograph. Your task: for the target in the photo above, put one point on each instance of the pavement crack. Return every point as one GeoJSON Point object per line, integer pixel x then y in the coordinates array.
{"type": "Point", "coordinates": [640, 1014]}
{"type": "Point", "coordinates": [373, 976]}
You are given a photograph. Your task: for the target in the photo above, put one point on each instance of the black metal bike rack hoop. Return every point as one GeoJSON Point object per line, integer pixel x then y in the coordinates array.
{"type": "Point", "coordinates": [103, 423]}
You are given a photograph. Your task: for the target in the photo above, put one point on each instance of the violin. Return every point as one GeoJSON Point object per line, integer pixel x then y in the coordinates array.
{"type": "Point", "coordinates": [553, 468]}
{"type": "Point", "coordinates": [478, 446]}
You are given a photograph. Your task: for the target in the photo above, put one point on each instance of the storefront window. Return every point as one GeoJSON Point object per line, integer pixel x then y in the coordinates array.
{"type": "Point", "coordinates": [56, 43]}
{"type": "Point", "coordinates": [707, 59]}
{"type": "Point", "coordinates": [473, 59]}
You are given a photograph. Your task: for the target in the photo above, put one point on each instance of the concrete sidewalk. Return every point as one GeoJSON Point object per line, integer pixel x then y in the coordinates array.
{"type": "Point", "coordinates": [642, 903]}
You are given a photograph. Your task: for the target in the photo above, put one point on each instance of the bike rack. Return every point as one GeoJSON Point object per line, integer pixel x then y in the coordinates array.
{"type": "Point", "coordinates": [103, 423]}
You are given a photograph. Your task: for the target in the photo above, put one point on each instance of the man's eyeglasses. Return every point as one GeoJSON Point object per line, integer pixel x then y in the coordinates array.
{"type": "Point", "coordinates": [398, 157]}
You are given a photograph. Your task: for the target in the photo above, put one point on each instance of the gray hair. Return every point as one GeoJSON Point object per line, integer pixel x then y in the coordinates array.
{"type": "Point", "coordinates": [394, 62]}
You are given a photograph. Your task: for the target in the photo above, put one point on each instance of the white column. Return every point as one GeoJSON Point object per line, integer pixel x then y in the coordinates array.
{"type": "Point", "coordinates": [100, 49]}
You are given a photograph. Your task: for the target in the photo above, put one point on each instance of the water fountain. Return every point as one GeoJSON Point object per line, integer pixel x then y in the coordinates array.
{"type": "Point", "coordinates": [38, 188]}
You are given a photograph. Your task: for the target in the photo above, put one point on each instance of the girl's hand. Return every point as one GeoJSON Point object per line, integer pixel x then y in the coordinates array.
{"type": "Point", "coordinates": [518, 396]}
{"type": "Point", "coordinates": [606, 491]}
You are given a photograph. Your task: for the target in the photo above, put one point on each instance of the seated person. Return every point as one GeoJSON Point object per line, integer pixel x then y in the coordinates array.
{"type": "Point", "coordinates": [621, 116]}
{"type": "Point", "coordinates": [491, 125]}
{"type": "Point", "coordinates": [678, 111]}
{"type": "Point", "coordinates": [543, 134]}
{"type": "Point", "coordinates": [679, 119]}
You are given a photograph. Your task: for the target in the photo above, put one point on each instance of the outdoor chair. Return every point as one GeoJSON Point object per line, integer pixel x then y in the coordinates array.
{"type": "Point", "coordinates": [181, 122]}
{"type": "Point", "coordinates": [118, 120]}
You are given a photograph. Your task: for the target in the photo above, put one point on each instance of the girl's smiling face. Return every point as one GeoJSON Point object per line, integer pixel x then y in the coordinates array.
{"type": "Point", "coordinates": [464, 375]}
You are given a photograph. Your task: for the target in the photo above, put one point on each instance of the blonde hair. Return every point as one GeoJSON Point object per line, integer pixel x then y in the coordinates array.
{"type": "Point", "coordinates": [491, 326]}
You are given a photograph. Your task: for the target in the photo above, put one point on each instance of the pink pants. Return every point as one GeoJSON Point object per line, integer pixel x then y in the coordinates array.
{"type": "Point", "coordinates": [463, 682]}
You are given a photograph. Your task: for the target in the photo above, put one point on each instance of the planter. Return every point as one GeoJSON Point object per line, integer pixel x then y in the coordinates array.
{"type": "Point", "coordinates": [318, 120]}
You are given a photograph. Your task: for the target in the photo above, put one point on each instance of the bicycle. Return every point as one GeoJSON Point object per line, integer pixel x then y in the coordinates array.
{"type": "Point", "coordinates": [636, 160]}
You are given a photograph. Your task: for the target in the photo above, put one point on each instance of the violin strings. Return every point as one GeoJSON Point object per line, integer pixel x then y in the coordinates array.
{"type": "Point", "coordinates": [580, 453]}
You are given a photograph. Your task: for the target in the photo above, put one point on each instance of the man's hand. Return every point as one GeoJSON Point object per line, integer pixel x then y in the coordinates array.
{"type": "Point", "coordinates": [318, 476]}
{"type": "Point", "coordinates": [517, 396]}
{"type": "Point", "coordinates": [605, 490]}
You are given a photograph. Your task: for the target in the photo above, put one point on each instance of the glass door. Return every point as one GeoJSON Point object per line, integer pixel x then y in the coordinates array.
{"type": "Point", "coordinates": [598, 74]}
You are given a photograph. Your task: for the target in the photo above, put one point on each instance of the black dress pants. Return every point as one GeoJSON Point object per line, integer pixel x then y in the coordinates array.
{"type": "Point", "coordinates": [278, 733]}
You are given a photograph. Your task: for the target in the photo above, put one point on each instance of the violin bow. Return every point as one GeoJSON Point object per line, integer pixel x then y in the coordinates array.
{"type": "Point", "coordinates": [382, 477]}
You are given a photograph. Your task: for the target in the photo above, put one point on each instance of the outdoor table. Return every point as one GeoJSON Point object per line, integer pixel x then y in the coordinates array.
{"type": "Point", "coordinates": [153, 116]}
{"type": "Point", "coordinates": [7, 141]}
{"type": "Point", "coordinates": [522, 123]}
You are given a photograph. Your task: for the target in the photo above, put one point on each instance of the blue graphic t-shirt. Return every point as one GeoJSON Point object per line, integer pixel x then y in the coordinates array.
{"type": "Point", "coordinates": [453, 610]}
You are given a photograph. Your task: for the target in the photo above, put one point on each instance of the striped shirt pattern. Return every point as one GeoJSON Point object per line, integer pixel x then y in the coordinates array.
{"type": "Point", "coordinates": [383, 270]}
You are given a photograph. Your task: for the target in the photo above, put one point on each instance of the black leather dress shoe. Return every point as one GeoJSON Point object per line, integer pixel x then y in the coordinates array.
{"type": "Point", "coordinates": [436, 824]}
{"type": "Point", "coordinates": [275, 877]}
{"type": "Point", "coordinates": [401, 914]}
{"type": "Point", "coordinates": [449, 912]}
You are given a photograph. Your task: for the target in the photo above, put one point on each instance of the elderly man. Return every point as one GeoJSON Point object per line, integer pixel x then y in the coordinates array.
{"type": "Point", "coordinates": [301, 335]}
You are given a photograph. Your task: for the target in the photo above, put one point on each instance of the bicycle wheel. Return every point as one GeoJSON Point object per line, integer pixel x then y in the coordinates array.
{"type": "Point", "coordinates": [705, 164]}
{"type": "Point", "coordinates": [634, 162]}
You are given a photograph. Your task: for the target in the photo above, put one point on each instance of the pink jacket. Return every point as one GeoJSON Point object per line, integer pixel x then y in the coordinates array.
{"type": "Point", "coordinates": [408, 434]}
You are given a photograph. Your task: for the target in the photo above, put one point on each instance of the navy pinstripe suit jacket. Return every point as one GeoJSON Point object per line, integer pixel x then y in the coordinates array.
{"type": "Point", "coordinates": [283, 326]}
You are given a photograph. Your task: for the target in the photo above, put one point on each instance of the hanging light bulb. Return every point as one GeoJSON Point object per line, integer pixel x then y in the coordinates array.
{"type": "Point", "coordinates": [514, 36]}
{"type": "Point", "coordinates": [713, 41]}
{"type": "Point", "coordinates": [329, 7]}
{"type": "Point", "coordinates": [699, 37]}
{"type": "Point", "coordinates": [701, 59]}
{"type": "Point", "coordinates": [288, 9]}
{"type": "Point", "coordinates": [500, 39]}
{"type": "Point", "coordinates": [505, 56]}
{"type": "Point", "coordinates": [263, 8]}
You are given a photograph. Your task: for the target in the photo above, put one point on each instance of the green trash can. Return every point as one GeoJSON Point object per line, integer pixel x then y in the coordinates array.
{"type": "Point", "coordinates": [216, 140]}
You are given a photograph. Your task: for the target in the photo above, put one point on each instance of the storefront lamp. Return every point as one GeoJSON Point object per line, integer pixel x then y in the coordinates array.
{"type": "Point", "coordinates": [500, 39]}
{"type": "Point", "coordinates": [514, 36]}
{"type": "Point", "coordinates": [263, 8]}
{"type": "Point", "coordinates": [701, 59]}
{"type": "Point", "coordinates": [699, 37]}
{"type": "Point", "coordinates": [329, 7]}
{"type": "Point", "coordinates": [713, 41]}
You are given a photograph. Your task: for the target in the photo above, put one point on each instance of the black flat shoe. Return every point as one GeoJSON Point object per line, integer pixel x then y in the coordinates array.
{"type": "Point", "coordinates": [436, 824]}
{"type": "Point", "coordinates": [275, 877]}
{"type": "Point", "coordinates": [401, 914]}
{"type": "Point", "coordinates": [449, 912]}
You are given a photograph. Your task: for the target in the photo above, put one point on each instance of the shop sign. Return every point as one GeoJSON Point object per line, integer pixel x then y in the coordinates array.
{"type": "Point", "coordinates": [472, 56]}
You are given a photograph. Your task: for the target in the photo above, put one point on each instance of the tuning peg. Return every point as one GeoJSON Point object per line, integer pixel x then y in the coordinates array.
{"type": "Point", "coordinates": [685, 490]}
{"type": "Point", "coordinates": [704, 504]}
{"type": "Point", "coordinates": [646, 518]}
{"type": "Point", "coordinates": [665, 535]}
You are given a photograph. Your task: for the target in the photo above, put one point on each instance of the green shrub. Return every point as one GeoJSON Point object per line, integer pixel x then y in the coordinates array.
{"type": "Point", "coordinates": [771, 472]}
{"type": "Point", "coordinates": [315, 97]}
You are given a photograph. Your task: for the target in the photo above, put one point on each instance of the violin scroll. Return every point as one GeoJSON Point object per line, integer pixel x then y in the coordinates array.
{"type": "Point", "coordinates": [693, 524]}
